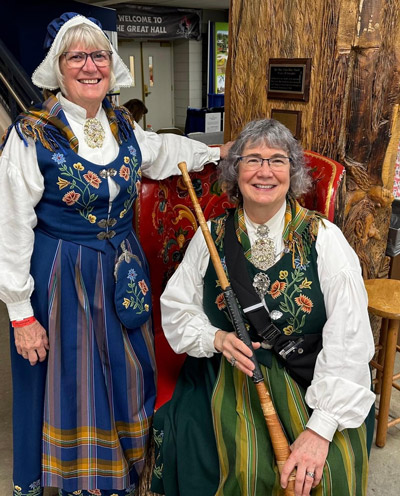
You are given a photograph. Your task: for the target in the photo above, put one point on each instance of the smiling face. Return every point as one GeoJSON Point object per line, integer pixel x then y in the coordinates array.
{"type": "Point", "coordinates": [88, 85]}
{"type": "Point", "coordinates": [263, 190]}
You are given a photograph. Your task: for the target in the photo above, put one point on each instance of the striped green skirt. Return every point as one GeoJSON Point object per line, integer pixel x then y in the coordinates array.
{"type": "Point", "coordinates": [211, 438]}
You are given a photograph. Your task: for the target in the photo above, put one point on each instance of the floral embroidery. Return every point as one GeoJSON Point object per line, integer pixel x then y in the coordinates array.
{"type": "Point", "coordinates": [137, 292]}
{"type": "Point", "coordinates": [132, 274]}
{"type": "Point", "coordinates": [93, 179]}
{"type": "Point", "coordinates": [80, 194]}
{"type": "Point", "coordinates": [34, 489]}
{"type": "Point", "coordinates": [294, 301]}
{"type": "Point", "coordinates": [304, 303]}
{"type": "Point", "coordinates": [305, 284]}
{"type": "Point", "coordinates": [77, 492]}
{"type": "Point", "coordinates": [288, 330]}
{"type": "Point", "coordinates": [299, 265]}
{"type": "Point", "coordinates": [132, 150]}
{"type": "Point", "coordinates": [223, 262]}
{"type": "Point", "coordinates": [130, 172]}
{"type": "Point", "coordinates": [158, 437]}
{"type": "Point", "coordinates": [124, 172]}
{"type": "Point", "coordinates": [130, 489]}
{"type": "Point", "coordinates": [58, 158]}
{"type": "Point", "coordinates": [62, 183]}
{"type": "Point", "coordinates": [220, 301]}
{"type": "Point", "coordinates": [276, 289]}
{"type": "Point", "coordinates": [71, 197]}
{"type": "Point", "coordinates": [97, 492]}
{"type": "Point", "coordinates": [143, 287]}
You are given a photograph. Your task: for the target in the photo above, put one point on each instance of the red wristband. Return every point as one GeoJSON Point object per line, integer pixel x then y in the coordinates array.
{"type": "Point", "coordinates": [23, 322]}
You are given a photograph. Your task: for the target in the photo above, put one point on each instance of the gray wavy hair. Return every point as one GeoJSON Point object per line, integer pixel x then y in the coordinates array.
{"type": "Point", "coordinates": [273, 134]}
{"type": "Point", "coordinates": [87, 36]}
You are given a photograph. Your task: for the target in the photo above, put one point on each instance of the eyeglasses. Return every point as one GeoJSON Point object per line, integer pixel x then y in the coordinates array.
{"type": "Point", "coordinates": [253, 162]}
{"type": "Point", "coordinates": [76, 60]}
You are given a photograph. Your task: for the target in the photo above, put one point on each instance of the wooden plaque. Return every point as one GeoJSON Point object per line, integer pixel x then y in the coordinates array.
{"type": "Point", "coordinates": [289, 79]}
{"type": "Point", "coordinates": [290, 118]}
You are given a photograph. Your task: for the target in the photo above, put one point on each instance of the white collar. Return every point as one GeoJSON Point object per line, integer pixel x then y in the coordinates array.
{"type": "Point", "coordinates": [77, 112]}
{"type": "Point", "coordinates": [275, 223]}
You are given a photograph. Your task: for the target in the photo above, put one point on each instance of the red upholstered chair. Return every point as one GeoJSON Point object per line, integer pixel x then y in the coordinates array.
{"type": "Point", "coordinates": [165, 222]}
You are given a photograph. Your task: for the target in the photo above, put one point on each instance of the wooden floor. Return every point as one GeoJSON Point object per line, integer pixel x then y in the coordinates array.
{"type": "Point", "coordinates": [384, 478]}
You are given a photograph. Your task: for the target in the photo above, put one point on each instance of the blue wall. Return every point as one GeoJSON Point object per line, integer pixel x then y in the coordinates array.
{"type": "Point", "coordinates": [23, 26]}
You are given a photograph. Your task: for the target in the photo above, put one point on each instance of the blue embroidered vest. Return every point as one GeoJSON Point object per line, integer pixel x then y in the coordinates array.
{"type": "Point", "coordinates": [75, 203]}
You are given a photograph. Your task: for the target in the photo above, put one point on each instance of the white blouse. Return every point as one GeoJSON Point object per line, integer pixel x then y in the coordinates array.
{"type": "Point", "coordinates": [22, 186]}
{"type": "Point", "coordinates": [340, 393]}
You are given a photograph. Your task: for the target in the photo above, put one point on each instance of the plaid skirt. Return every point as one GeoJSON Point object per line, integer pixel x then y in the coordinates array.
{"type": "Point", "coordinates": [211, 438]}
{"type": "Point", "coordinates": [81, 418]}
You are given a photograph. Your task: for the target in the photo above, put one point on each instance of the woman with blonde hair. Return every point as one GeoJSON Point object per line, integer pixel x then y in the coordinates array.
{"type": "Point", "coordinates": [73, 274]}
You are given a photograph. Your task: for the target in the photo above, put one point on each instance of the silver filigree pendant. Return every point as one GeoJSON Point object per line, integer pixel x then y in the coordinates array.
{"type": "Point", "coordinates": [94, 133]}
{"type": "Point", "coordinates": [261, 283]}
{"type": "Point", "coordinates": [263, 249]}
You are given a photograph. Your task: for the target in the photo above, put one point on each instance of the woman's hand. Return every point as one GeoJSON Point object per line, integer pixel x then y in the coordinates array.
{"type": "Point", "coordinates": [31, 342]}
{"type": "Point", "coordinates": [233, 348]}
{"type": "Point", "coordinates": [308, 456]}
{"type": "Point", "coordinates": [224, 149]}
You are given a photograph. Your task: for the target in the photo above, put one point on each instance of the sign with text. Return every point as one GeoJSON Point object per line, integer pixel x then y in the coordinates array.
{"type": "Point", "coordinates": [140, 21]}
{"type": "Point", "coordinates": [289, 79]}
{"type": "Point", "coordinates": [213, 122]}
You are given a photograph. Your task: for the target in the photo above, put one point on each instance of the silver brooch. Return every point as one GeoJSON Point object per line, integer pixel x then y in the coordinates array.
{"type": "Point", "coordinates": [263, 249]}
{"type": "Point", "coordinates": [94, 133]}
{"type": "Point", "coordinates": [261, 283]}
{"type": "Point", "coordinates": [275, 314]}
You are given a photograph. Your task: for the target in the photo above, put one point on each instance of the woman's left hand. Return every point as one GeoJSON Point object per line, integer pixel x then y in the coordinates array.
{"type": "Point", "coordinates": [308, 456]}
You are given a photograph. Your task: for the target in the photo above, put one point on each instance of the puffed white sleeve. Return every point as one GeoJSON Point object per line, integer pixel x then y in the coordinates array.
{"type": "Point", "coordinates": [184, 322]}
{"type": "Point", "coordinates": [340, 392]}
{"type": "Point", "coordinates": [161, 153]}
{"type": "Point", "coordinates": [21, 187]}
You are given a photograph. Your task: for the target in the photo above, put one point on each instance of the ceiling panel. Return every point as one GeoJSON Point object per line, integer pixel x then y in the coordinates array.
{"type": "Point", "coordinates": [189, 4]}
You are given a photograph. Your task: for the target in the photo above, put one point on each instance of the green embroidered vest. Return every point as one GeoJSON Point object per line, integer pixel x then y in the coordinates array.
{"type": "Point", "coordinates": [294, 291]}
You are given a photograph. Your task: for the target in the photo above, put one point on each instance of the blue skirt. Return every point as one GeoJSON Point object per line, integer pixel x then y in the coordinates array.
{"type": "Point", "coordinates": [82, 417]}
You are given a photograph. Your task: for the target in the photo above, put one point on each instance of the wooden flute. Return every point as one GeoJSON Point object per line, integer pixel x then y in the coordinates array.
{"type": "Point", "coordinates": [279, 441]}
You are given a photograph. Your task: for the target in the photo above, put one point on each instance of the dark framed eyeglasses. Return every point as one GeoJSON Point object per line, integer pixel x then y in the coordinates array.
{"type": "Point", "coordinates": [76, 60]}
{"type": "Point", "coordinates": [254, 162]}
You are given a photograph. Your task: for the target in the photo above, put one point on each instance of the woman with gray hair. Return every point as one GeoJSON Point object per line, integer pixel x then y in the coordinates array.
{"type": "Point", "coordinates": [72, 272]}
{"type": "Point", "coordinates": [303, 301]}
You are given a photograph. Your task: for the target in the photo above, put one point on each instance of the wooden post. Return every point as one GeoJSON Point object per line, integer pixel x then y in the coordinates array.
{"type": "Point", "coordinates": [351, 115]}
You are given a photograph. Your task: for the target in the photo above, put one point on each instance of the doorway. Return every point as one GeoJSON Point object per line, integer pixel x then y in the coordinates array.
{"type": "Point", "coordinates": [151, 65]}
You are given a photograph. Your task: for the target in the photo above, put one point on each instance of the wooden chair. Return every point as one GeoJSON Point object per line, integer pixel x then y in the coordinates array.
{"type": "Point", "coordinates": [165, 222]}
{"type": "Point", "coordinates": [384, 301]}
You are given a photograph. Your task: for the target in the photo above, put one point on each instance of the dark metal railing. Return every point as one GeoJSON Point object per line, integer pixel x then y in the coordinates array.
{"type": "Point", "coordinates": [17, 91]}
